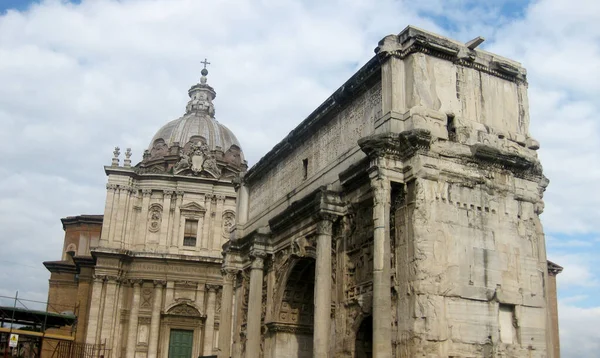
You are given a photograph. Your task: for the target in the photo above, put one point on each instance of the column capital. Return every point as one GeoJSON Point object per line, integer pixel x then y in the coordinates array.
{"type": "Point", "coordinates": [136, 282]}
{"type": "Point", "coordinates": [167, 192]}
{"type": "Point", "coordinates": [229, 273]}
{"type": "Point", "coordinates": [112, 186]}
{"type": "Point", "coordinates": [212, 287]}
{"type": "Point", "coordinates": [112, 279]}
{"type": "Point", "coordinates": [258, 258]}
{"type": "Point", "coordinates": [179, 192]}
{"type": "Point", "coordinates": [98, 278]}
{"type": "Point", "coordinates": [146, 192]}
{"type": "Point", "coordinates": [161, 283]}
{"type": "Point", "coordinates": [381, 190]}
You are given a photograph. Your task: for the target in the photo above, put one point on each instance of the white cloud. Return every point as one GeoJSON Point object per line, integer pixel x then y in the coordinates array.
{"type": "Point", "coordinates": [76, 80]}
{"type": "Point", "coordinates": [579, 332]}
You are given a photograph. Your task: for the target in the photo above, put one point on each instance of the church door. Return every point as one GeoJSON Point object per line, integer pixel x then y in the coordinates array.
{"type": "Point", "coordinates": [180, 344]}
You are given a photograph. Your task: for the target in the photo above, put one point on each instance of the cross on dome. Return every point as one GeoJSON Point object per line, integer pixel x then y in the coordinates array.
{"type": "Point", "coordinates": [204, 71]}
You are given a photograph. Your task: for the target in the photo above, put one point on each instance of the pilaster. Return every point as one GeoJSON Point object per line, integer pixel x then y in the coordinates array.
{"type": "Point", "coordinates": [177, 220]}
{"type": "Point", "coordinates": [166, 216]}
{"type": "Point", "coordinates": [94, 316]}
{"type": "Point", "coordinates": [155, 319]}
{"type": "Point", "coordinates": [110, 298]}
{"type": "Point", "coordinates": [142, 228]}
{"type": "Point", "coordinates": [133, 318]}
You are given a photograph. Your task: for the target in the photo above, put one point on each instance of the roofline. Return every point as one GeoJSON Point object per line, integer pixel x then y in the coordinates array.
{"type": "Point", "coordinates": [338, 99]}
{"type": "Point", "coordinates": [82, 219]}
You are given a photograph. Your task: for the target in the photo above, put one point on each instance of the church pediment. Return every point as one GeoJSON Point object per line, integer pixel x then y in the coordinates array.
{"type": "Point", "coordinates": [193, 207]}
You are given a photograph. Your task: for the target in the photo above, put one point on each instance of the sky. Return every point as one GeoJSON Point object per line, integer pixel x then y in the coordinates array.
{"type": "Point", "coordinates": [79, 78]}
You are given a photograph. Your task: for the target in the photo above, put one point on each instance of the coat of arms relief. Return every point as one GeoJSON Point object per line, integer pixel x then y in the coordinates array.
{"type": "Point", "coordinates": [197, 159]}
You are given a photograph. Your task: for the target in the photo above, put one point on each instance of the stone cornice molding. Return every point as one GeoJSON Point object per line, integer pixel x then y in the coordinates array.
{"type": "Point", "coordinates": [413, 40]}
{"type": "Point", "coordinates": [289, 328]}
{"type": "Point", "coordinates": [553, 269]}
{"type": "Point", "coordinates": [401, 145]}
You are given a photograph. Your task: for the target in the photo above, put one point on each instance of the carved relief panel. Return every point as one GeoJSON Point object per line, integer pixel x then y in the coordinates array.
{"type": "Point", "coordinates": [154, 217]}
{"type": "Point", "coordinates": [359, 251]}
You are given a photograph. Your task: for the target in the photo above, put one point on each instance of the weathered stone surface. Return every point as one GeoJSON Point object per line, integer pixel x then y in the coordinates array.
{"type": "Point", "coordinates": [439, 193]}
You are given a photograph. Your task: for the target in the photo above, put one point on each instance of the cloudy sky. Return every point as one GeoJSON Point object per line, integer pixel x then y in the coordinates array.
{"type": "Point", "coordinates": [78, 78]}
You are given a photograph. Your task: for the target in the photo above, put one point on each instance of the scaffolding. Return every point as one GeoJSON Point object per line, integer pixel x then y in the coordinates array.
{"type": "Point", "coordinates": [30, 322]}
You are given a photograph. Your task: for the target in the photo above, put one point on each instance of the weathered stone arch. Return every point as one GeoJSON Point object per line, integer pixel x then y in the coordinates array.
{"type": "Point", "coordinates": [294, 298]}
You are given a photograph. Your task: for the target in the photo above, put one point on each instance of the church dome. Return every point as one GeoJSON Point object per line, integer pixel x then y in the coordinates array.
{"type": "Point", "coordinates": [197, 134]}
{"type": "Point", "coordinates": [196, 126]}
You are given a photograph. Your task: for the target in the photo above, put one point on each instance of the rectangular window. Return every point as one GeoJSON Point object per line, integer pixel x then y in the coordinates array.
{"type": "Point", "coordinates": [305, 168]}
{"type": "Point", "coordinates": [189, 233]}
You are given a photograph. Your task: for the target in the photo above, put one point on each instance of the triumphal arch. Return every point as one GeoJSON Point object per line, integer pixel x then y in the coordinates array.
{"type": "Point", "coordinates": [399, 219]}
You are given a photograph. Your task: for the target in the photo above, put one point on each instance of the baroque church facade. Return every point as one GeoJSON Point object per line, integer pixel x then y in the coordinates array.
{"type": "Point", "coordinates": [399, 219]}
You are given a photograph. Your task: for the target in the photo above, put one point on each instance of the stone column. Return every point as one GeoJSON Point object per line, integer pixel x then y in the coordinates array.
{"type": "Point", "coordinates": [155, 319]}
{"type": "Point", "coordinates": [322, 293]}
{"type": "Point", "coordinates": [110, 301]}
{"type": "Point", "coordinates": [209, 325]}
{"type": "Point", "coordinates": [226, 309]}
{"type": "Point", "coordinates": [382, 301]}
{"type": "Point", "coordinates": [164, 227]}
{"type": "Point", "coordinates": [177, 220]}
{"type": "Point", "coordinates": [254, 304]}
{"type": "Point", "coordinates": [94, 309]}
{"type": "Point", "coordinates": [133, 319]}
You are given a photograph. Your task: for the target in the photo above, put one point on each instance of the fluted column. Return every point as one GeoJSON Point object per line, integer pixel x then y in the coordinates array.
{"type": "Point", "coordinates": [209, 326]}
{"type": "Point", "coordinates": [94, 309]}
{"type": "Point", "coordinates": [254, 304]}
{"type": "Point", "coordinates": [226, 309]}
{"type": "Point", "coordinates": [110, 298]}
{"type": "Point", "coordinates": [133, 319]}
{"type": "Point", "coordinates": [164, 227]}
{"type": "Point", "coordinates": [322, 290]}
{"type": "Point", "coordinates": [382, 302]}
{"type": "Point", "coordinates": [155, 319]}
